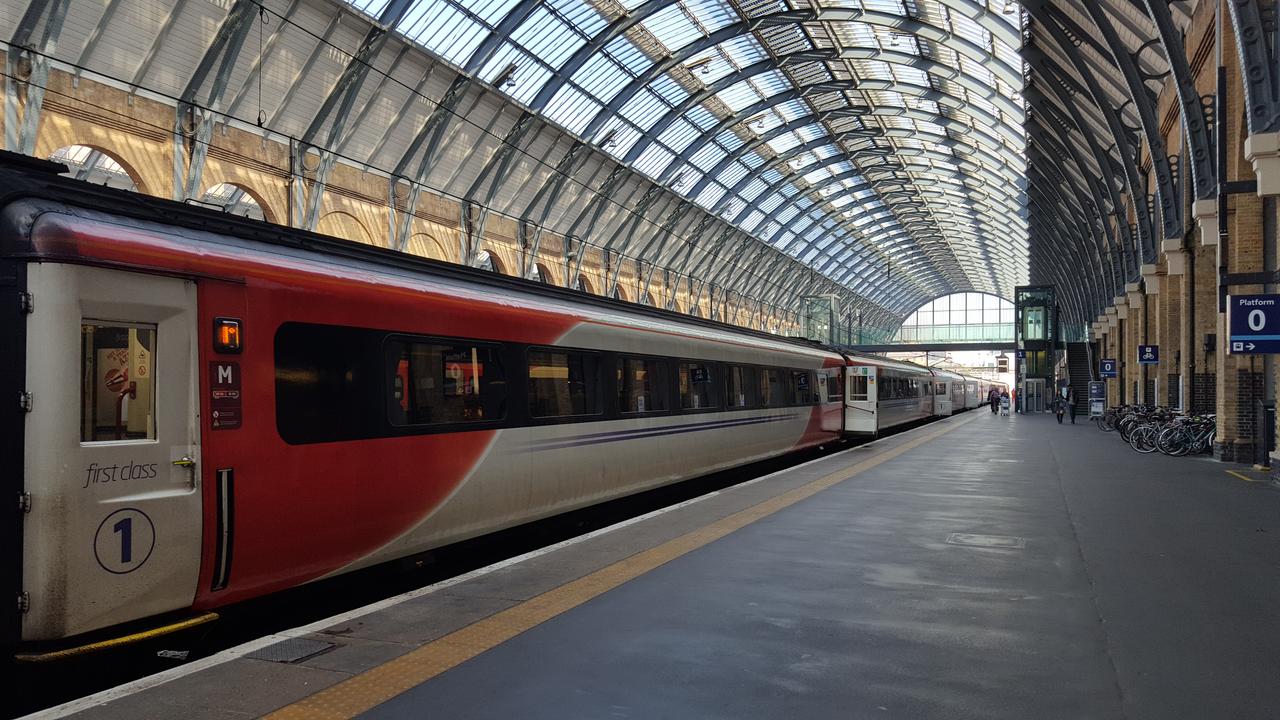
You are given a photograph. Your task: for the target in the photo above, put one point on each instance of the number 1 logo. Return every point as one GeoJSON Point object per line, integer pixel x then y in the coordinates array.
{"type": "Point", "coordinates": [124, 541]}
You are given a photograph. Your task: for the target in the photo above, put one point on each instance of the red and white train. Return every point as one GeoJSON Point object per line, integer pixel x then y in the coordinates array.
{"type": "Point", "coordinates": [215, 408]}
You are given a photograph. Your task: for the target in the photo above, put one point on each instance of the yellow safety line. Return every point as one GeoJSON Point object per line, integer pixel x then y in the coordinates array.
{"type": "Point", "coordinates": [1245, 478]}
{"type": "Point", "coordinates": [116, 642]}
{"type": "Point", "coordinates": [377, 685]}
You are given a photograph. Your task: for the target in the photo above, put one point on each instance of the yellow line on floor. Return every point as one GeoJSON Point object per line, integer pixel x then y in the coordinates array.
{"type": "Point", "coordinates": [1242, 476]}
{"type": "Point", "coordinates": [375, 686]}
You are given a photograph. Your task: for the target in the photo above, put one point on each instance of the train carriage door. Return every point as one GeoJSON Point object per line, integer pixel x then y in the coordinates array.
{"type": "Point", "coordinates": [942, 397]}
{"type": "Point", "coordinates": [860, 400]}
{"type": "Point", "coordinates": [114, 532]}
{"type": "Point", "coordinates": [831, 400]}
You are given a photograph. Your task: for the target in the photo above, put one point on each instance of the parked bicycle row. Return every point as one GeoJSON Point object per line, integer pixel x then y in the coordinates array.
{"type": "Point", "coordinates": [1148, 429]}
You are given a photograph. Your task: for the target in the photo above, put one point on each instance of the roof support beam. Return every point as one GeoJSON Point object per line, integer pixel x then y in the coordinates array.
{"type": "Point", "coordinates": [48, 15]}
{"type": "Point", "coordinates": [195, 112]}
{"type": "Point", "coordinates": [1258, 65]}
{"type": "Point", "coordinates": [1146, 249]}
{"type": "Point", "coordinates": [1169, 201]}
{"type": "Point", "coordinates": [1194, 123]}
{"type": "Point", "coordinates": [1059, 81]}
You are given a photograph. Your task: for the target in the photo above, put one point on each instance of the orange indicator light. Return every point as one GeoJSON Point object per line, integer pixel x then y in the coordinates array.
{"type": "Point", "coordinates": [226, 335]}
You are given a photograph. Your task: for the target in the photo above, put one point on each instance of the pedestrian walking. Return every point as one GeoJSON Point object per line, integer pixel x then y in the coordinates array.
{"type": "Point", "coordinates": [1071, 403]}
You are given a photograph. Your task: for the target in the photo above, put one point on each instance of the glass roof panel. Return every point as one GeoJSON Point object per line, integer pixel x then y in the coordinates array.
{"type": "Point", "coordinates": [443, 29]}
{"type": "Point", "coordinates": [936, 127]}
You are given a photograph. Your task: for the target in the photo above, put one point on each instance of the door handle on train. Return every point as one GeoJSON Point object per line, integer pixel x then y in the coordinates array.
{"type": "Point", "coordinates": [190, 464]}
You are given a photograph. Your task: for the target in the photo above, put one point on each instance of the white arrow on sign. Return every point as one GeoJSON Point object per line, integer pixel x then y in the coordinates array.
{"type": "Point", "coordinates": [1251, 346]}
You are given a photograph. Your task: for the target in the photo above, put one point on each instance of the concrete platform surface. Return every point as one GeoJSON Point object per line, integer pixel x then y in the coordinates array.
{"type": "Point", "coordinates": [979, 567]}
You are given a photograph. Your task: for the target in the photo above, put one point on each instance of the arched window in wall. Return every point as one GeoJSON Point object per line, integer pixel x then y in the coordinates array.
{"type": "Point", "coordinates": [95, 166]}
{"type": "Point", "coordinates": [486, 261]}
{"type": "Point", "coordinates": [235, 200]}
{"type": "Point", "coordinates": [962, 317]}
{"type": "Point", "coordinates": [582, 284]}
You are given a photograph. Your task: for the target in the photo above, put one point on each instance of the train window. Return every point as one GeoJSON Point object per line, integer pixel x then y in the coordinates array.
{"type": "Point", "coordinates": [642, 385]}
{"type": "Point", "coordinates": [117, 396]}
{"type": "Point", "coordinates": [942, 388]}
{"type": "Point", "coordinates": [328, 383]}
{"type": "Point", "coordinates": [697, 386]}
{"type": "Point", "coordinates": [737, 386]}
{"type": "Point", "coordinates": [563, 384]}
{"type": "Point", "coordinates": [772, 390]}
{"type": "Point", "coordinates": [857, 387]}
{"type": "Point", "coordinates": [445, 382]}
{"type": "Point", "coordinates": [804, 390]}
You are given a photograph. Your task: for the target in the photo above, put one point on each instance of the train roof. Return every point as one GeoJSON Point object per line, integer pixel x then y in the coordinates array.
{"type": "Point", "coordinates": [30, 188]}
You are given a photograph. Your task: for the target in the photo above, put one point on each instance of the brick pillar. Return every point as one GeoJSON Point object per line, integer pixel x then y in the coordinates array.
{"type": "Point", "coordinates": [1171, 351]}
{"type": "Point", "coordinates": [1239, 376]}
{"type": "Point", "coordinates": [1135, 334]}
{"type": "Point", "coordinates": [1198, 365]}
{"type": "Point", "coordinates": [1239, 381]}
{"type": "Point", "coordinates": [1109, 345]}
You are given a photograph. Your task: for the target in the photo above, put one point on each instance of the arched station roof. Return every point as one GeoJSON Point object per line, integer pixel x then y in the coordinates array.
{"type": "Point", "coordinates": [858, 137]}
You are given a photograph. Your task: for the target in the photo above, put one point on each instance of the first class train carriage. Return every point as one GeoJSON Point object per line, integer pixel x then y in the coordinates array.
{"type": "Point", "coordinates": [216, 408]}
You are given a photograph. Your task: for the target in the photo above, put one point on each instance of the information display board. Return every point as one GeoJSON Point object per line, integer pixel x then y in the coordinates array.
{"type": "Point", "coordinates": [1097, 398]}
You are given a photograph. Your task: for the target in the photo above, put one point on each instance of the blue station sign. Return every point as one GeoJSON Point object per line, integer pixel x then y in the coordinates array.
{"type": "Point", "coordinates": [1148, 354]}
{"type": "Point", "coordinates": [1254, 321]}
{"type": "Point", "coordinates": [1022, 354]}
{"type": "Point", "coordinates": [1108, 368]}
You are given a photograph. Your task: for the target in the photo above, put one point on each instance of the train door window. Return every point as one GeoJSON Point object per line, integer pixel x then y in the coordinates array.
{"type": "Point", "coordinates": [833, 387]}
{"type": "Point", "coordinates": [563, 384]}
{"type": "Point", "coordinates": [737, 386]}
{"type": "Point", "coordinates": [697, 386]}
{"type": "Point", "coordinates": [117, 395]}
{"type": "Point", "coordinates": [857, 387]}
{"type": "Point", "coordinates": [642, 385]}
{"type": "Point", "coordinates": [445, 382]}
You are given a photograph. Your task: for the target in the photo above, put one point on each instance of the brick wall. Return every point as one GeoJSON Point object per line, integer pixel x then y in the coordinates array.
{"type": "Point", "coordinates": [1250, 388]}
{"type": "Point", "coordinates": [1204, 393]}
{"type": "Point", "coordinates": [1172, 398]}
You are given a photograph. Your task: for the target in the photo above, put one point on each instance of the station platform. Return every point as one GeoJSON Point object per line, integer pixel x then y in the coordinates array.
{"type": "Point", "coordinates": [976, 567]}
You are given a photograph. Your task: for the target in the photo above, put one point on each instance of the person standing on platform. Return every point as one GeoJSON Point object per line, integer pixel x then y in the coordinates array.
{"type": "Point", "coordinates": [993, 398]}
{"type": "Point", "coordinates": [1071, 403]}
